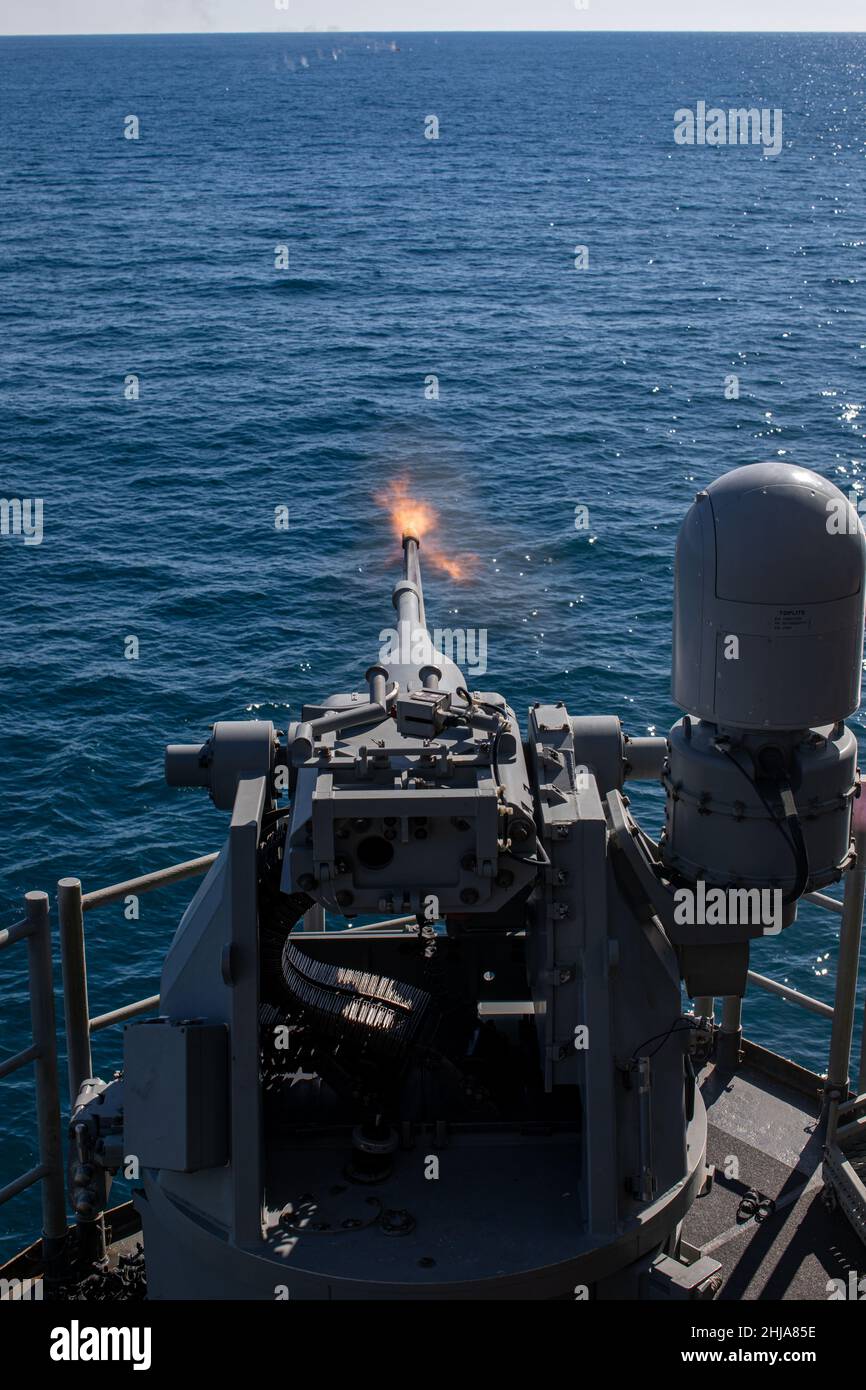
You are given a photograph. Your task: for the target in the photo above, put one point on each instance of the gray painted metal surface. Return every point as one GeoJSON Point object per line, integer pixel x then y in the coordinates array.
{"type": "Point", "coordinates": [568, 1134]}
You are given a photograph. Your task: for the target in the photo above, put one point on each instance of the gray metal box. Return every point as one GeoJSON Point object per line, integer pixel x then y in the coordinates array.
{"type": "Point", "coordinates": [175, 1094]}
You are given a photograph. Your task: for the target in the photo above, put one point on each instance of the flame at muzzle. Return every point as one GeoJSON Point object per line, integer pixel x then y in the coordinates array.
{"type": "Point", "coordinates": [410, 516]}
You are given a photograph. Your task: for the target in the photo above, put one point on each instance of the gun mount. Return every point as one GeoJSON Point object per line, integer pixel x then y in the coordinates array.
{"type": "Point", "coordinates": [495, 1096]}
{"type": "Point", "coordinates": [419, 793]}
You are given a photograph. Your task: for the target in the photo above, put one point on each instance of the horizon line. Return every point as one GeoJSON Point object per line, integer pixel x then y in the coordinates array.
{"type": "Point", "coordinates": [360, 33]}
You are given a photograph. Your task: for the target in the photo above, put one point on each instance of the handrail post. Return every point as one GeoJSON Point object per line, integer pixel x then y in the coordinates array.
{"type": "Point", "coordinates": [730, 1037]}
{"type": "Point", "coordinates": [76, 1011]}
{"type": "Point", "coordinates": [90, 1227]}
{"type": "Point", "coordinates": [838, 1078]}
{"type": "Point", "coordinates": [47, 1089]}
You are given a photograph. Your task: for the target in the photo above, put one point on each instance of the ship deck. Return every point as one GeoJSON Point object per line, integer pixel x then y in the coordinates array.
{"type": "Point", "coordinates": [764, 1134]}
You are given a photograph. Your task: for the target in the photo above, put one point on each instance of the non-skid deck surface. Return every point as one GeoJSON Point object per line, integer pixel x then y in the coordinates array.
{"type": "Point", "coordinates": [798, 1250]}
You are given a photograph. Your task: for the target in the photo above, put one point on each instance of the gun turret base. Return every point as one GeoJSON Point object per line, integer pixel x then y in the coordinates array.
{"type": "Point", "coordinates": [327, 1238]}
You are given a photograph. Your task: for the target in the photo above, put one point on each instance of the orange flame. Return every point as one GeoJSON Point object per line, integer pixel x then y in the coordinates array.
{"type": "Point", "coordinates": [407, 513]}
{"type": "Point", "coordinates": [410, 515]}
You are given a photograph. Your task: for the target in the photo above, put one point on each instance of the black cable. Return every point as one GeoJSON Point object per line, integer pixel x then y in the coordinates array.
{"type": "Point", "coordinates": [686, 1028]}
{"type": "Point", "coordinates": [472, 704]}
{"type": "Point", "coordinates": [793, 837]}
{"type": "Point", "coordinates": [494, 749]}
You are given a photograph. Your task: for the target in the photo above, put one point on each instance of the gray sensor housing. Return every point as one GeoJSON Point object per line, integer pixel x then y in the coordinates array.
{"type": "Point", "coordinates": [767, 652]}
{"type": "Point", "coordinates": [768, 602]}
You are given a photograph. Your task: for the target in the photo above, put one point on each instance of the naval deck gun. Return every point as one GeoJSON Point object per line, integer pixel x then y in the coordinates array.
{"type": "Point", "coordinates": [421, 793]}
{"type": "Point", "coordinates": [496, 1095]}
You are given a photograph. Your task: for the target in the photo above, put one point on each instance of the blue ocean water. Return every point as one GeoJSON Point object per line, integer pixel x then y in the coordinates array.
{"type": "Point", "coordinates": [305, 387]}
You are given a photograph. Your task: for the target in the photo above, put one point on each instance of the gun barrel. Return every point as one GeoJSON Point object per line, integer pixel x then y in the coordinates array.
{"type": "Point", "coordinates": [409, 592]}
{"type": "Point", "coordinates": [416, 662]}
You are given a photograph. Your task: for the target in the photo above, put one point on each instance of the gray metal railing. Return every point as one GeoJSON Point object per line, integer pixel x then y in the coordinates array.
{"type": "Point", "coordinates": [35, 929]}
{"type": "Point", "coordinates": [843, 1009]}
{"type": "Point", "coordinates": [80, 1026]}
{"type": "Point", "coordinates": [72, 904]}
{"type": "Point", "coordinates": [71, 907]}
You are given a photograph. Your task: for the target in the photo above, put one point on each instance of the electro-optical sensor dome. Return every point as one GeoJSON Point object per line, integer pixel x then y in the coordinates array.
{"type": "Point", "coordinates": [768, 601]}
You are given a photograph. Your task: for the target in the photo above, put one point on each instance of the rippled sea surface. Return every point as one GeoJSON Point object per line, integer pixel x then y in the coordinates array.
{"type": "Point", "coordinates": [305, 387]}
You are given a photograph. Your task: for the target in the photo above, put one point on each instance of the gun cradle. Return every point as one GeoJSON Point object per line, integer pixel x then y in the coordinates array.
{"type": "Point", "coordinates": [382, 820]}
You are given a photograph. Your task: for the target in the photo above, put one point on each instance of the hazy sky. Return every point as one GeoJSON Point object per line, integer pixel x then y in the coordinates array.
{"type": "Point", "coordinates": [353, 16]}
